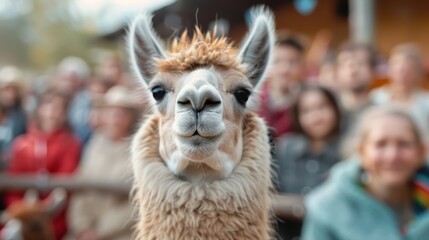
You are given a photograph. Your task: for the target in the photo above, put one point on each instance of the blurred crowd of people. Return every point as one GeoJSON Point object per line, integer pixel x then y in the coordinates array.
{"type": "Point", "coordinates": [351, 145]}
{"type": "Point", "coordinates": [353, 149]}
{"type": "Point", "coordinates": [76, 124]}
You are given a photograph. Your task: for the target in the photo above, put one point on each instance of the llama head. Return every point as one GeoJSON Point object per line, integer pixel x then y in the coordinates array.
{"type": "Point", "coordinates": [201, 88]}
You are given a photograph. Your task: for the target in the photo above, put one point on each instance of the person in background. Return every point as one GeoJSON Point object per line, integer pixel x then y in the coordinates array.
{"type": "Point", "coordinates": [382, 191]}
{"type": "Point", "coordinates": [355, 65]}
{"type": "Point", "coordinates": [96, 116]}
{"type": "Point", "coordinates": [305, 157]}
{"type": "Point", "coordinates": [110, 69]}
{"type": "Point", "coordinates": [406, 72]}
{"type": "Point", "coordinates": [48, 149]}
{"type": "Point", "coordinates": [284, 80]}
{"type": "Point", "coordinates": [95, 215]}
{"type": "Point", "coordinates": [14, 121]}
{"type": "Point", "coordinates": [72, 76]}
{"type": "Point", "coordinates": [96, 88]}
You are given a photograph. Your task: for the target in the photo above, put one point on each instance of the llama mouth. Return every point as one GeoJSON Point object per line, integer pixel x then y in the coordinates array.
{"type": "Point", "coordinates": [198, 140]}
{"type": "Point", "coordinates": [197, 137]}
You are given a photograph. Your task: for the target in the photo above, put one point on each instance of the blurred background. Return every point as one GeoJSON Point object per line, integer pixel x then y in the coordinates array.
{"type": "Point", "coordinates": [38, 33]}
{"type": "Point", "coordinates": [69, 104]}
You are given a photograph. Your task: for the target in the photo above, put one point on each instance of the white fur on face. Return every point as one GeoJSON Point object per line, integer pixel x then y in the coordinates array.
{"type": "Point", "coordinates": [202, 123]}
{"type": "Point", "coordinates": [201, 120]}
{"type": "Point", "coordinates": [199, 115]}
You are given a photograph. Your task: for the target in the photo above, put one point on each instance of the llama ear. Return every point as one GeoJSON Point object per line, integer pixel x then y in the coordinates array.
{"type": "Point", "coordinates": [257, 48]}
{"type": "Point", "coordinates": [144, 48]}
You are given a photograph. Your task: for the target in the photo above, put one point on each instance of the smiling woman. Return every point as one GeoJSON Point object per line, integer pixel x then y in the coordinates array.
{"type": "Point", "coordinates": [383, 194]}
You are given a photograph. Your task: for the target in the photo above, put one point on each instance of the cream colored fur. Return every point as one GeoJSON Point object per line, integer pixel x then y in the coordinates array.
{"type": "Point", "coordinates": [235, 208]}
{"type": "Point", "coordinates": [201, 162]}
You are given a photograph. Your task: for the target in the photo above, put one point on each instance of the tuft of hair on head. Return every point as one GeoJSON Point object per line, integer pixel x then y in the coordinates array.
{"type": "Point", "coordinates": [147, 56]}
{"type": "Point", "coordinates": [356, 136]}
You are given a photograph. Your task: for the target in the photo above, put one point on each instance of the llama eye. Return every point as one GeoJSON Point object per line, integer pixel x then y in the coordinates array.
{"type": "Point", "coordinates": [242, 95]}
{"type": "Point", "coordinates": [158, 93]}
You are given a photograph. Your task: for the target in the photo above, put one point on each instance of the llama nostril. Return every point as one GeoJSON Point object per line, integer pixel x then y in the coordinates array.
{"type": "Point", "coordinates": [207, 104]}
{"type": "Point", "coordinates": [184, 102]}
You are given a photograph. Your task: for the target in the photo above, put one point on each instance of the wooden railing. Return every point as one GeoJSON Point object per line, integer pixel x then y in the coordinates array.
{"type": "Point", "coordinates": [284, 206]}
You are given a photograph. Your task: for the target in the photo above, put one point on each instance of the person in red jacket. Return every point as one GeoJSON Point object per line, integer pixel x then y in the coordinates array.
{"type": "Point", "coordinates": [48, 149]}
{"type": "Point", "coordinates": [284, 81]}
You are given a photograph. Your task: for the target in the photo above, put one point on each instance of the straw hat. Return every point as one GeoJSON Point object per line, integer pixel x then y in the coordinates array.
{"type": "Point", "coordinates": [10, 76]}
{"type": "Point", "coordinates": [120, 96]}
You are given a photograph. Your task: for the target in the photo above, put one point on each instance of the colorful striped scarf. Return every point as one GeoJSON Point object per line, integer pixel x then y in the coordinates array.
{"type": "Point", "coordinates": [421, 191]}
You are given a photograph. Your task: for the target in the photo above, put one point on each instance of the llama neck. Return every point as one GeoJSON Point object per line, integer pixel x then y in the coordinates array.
{"type": "Point", "coordinates": [233, 208]}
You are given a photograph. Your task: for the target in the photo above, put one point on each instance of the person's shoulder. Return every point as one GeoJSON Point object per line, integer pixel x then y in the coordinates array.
{"type": "Point", "coordinates": [332, 195]}
{"type": "Point", "coordinates": [71, 139]}
{"type": "Point", "coordinates": [21, 139]}
{"type": "Point", "coordinates": [423, 96]}
{"type": "Point", "coordinates": [378, 95]}
{"type": "Point", "coordinates": [293, 141]}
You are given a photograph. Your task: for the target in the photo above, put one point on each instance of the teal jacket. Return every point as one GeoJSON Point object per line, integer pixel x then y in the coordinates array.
{"type": "Point", "coordinates": [340, 209]}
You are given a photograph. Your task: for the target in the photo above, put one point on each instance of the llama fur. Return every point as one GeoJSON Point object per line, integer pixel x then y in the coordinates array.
{"type": "Point", "coordinates": [220, 190]}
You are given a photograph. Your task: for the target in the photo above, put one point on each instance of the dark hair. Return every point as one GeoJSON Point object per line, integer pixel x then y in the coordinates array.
{"type": "Point", "coordinates": [332, 101]}
{"type": "Point", "coordinates": [292, 41]}
{"type": "Point", "coordinates": [357, 46]}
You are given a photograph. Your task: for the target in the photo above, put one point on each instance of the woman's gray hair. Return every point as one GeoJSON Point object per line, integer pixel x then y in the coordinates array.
{"type": "Point", "coordinates": [358, 131]}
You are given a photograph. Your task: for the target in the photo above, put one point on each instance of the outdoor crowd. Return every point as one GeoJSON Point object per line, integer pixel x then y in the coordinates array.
{"type": "Point", "coordinates": [72, 122]}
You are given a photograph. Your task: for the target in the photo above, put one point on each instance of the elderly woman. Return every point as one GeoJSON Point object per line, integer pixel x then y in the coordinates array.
{"type": "Point", "coordinates": [383, 192]}
{"type": "Point", "coordinates": [100, 215]}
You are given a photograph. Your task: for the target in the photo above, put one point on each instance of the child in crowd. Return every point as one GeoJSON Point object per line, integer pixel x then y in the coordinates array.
{"type": "Point", "coordinates": [382, 192]}
{"type": "Point", "coordinates": [305, 156]}
{"type": "Point", "coordinates": [283, 83]}
{"type": "Point", "coordinates": [49, 148]}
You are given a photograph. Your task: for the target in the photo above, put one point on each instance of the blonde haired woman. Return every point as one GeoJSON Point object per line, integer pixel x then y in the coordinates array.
{"type": "Point", "coordinates": [383, 192]}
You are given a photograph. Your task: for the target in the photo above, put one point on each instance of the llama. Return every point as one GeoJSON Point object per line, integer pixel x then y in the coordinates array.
{"type": "Point", "coordinates": [201, 161]}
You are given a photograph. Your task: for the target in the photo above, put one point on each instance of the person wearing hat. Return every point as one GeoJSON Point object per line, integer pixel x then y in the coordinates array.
{"type": "Point", "coordinates": [13, 120]}
{"type": "Point", "coordinates": [96, 215]}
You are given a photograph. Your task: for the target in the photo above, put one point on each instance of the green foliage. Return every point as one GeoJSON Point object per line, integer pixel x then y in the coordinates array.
{"type": "Point", "coordinates": [41, 37]}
